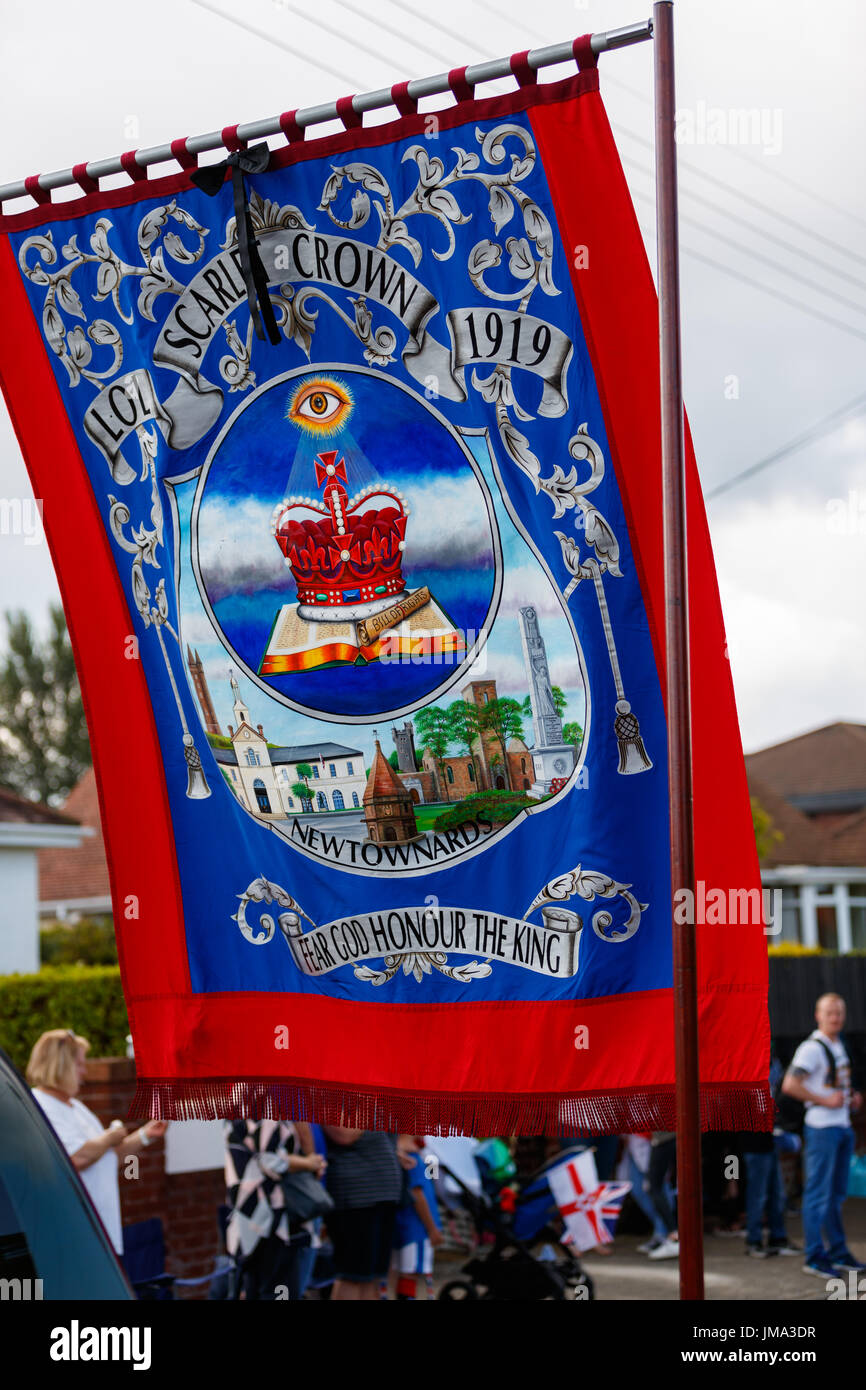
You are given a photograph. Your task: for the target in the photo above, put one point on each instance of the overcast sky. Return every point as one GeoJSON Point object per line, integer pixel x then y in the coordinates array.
{"type": "Point", "coordinates": [89, 81]}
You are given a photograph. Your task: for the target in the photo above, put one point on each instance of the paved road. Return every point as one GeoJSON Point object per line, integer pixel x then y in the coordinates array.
{"type": "Point", "coordinates": [627, 1276]}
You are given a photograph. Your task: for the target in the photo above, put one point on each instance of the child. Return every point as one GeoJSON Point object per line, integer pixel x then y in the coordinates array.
{"type": "Point", "coordinates": [417, 1230]}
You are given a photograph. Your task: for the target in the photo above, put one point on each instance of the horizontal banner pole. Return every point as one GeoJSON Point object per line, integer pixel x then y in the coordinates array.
{"type": "Point", "coordinates": [419, 87]}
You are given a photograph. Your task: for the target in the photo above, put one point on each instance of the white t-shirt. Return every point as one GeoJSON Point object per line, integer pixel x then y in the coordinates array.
{"type": "Point", "coordinates": [811, 1058]}
{"type": "Point", "coordinates": [74, 1124]}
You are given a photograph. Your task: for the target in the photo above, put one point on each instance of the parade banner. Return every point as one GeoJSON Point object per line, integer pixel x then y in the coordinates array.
{"type": "Point", "coordinates": [349, 460]}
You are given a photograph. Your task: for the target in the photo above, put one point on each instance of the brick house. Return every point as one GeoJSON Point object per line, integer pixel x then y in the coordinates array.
{"type": "Point", "coordinates": [73, 881]}
{"type": "Point", "coordinates": [814, 789]}
{"type": "Point", "coordinates": [460, 776]}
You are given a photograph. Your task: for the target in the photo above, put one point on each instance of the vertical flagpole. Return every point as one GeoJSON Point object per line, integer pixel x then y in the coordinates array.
{"type": "Point", "coordinates": [689, 1205]}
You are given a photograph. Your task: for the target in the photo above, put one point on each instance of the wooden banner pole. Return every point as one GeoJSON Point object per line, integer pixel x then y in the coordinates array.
{"type": "Point", "coordinates": [689, 1204]}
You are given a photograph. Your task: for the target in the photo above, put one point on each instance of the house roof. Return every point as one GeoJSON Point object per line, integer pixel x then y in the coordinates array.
{"type": "Point", "coordinates": [18, 809]}
{"type": "Point", "coordinates": [824, 763]}
{"type": "Point", "coordinates": [68, 875]}
{"type": "Point", "coordinates": [802, 838]}
{"type": "Point", "coordinates": [814, 789]}
{"type": "Point", "coordinates": [304, 753]}
{"type": "Point", "coordinates": [383, 780]}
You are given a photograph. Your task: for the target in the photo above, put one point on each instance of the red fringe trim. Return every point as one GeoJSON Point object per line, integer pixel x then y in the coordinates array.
{"type": "Point", "coordinates": [734, 1107]}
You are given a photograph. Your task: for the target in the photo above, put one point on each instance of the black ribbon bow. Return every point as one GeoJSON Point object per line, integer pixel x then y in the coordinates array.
{"type": "Point", "coordinates": [210, 179]}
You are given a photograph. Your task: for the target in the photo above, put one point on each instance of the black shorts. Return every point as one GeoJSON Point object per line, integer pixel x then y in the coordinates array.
{"type": "Point", "coordinates": [362, 1238]}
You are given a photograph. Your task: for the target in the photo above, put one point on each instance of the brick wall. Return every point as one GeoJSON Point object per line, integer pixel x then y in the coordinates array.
{"type": "Point", "coordinates": [522, 770]}
{"type": "Point", "coordinates": [186, 1203]}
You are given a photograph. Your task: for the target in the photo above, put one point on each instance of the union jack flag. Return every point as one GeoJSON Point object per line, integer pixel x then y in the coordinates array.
{"type": "Point", "coordinates": [588, 1207]}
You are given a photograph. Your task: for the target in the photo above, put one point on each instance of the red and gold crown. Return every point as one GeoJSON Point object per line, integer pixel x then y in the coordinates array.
{"type": "Point", "coordinates": [349, 551]}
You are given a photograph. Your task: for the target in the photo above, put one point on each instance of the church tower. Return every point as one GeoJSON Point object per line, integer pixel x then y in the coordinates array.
{"type": "Point", "coordinates": [200, 685]}
{"type": "Point", "coordinates": [241, 713]}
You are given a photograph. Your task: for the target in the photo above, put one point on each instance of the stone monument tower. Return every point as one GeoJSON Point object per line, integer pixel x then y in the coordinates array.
{"type": "Point", "coordinates": [202, 690]}
{"type": "Point", "coordinates": [405, 741]}
{"type": "Point", "coordinates": [552, 757]}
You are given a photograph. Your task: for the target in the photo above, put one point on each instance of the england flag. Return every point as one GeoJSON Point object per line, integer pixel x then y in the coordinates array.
{"type": "Point", "coordinates": [588, 1207]}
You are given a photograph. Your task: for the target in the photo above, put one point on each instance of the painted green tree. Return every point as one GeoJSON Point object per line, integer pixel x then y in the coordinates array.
{"type": "Point", "coordinates": [559, 702]}
{"type": "Point", "coordinates": [465, 727]}
{"type": "Point", "coordinates": [433, 731]}
{"type": "Point", "coordinates": [301, 788]}
{"type": "Point", "coordinates": [573, 733]}
{"type": "Point", "coordinates": [394, 760]}
{"type": "Point", "coordinates": [503, 719]}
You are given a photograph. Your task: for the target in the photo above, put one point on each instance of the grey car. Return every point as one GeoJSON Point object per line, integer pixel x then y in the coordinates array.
{"type": "Point", "coordinates": [52, 1243]}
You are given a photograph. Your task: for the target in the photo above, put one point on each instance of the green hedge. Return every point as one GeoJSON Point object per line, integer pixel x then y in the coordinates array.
{"type": "Point", "coordinates": [497, 806]}
{"type": "Point", "coordinates": [88, 942]}
{"type": "Point", "coordinates": [86, 998]}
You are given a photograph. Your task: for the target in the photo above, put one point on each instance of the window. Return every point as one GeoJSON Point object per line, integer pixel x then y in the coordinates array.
{"type": "Point", "coordinates": [253, 759]}
{"type": "Point", "coordinates": [262, 796]}
{"type": "Point", "coordinates": [471, 770]}
{"type": "Point", "coordinates": [486, 698]}
{"type": "Point", "coordinates": [449, 773]}
{"type": "Point", "coordinates": [350, 771]}
{"type": "Point", "coordinates": [332, 769]}
{"type": "Point", "coordinates": [355, 801]}
{"type": "Point", "coordinates": [857, 900]}
{"type": "Point", "coordinates": [315, 769]}
{"type": "Point", "coordinates": [291, 803]}
{"type": "Point", "coordinates": [321, 801]}
{"type": "Point", "coordinates": [339, 803]}
{"type": "Point", "coordinates": [828, 934]}
{"type": "Point", "coordinates": [522, 764]}
{"type": "Point", "coordinates": [792, 928]}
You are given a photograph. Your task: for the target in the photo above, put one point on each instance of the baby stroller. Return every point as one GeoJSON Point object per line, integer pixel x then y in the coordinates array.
{"type": "Point", "coordinates": [518, 1217]}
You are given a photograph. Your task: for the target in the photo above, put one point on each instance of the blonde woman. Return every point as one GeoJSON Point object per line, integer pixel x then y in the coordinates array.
{"type": "Point", "coordinates": [55, 1072]}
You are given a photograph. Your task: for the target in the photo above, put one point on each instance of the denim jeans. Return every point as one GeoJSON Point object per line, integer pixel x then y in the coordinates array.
{"type": "Point", "coordinates": [662, 1158]}
{"type": "Point", "coordinates": [764, 1190]}
{"type": "Point", "coordinates": [643, 1199]}
{"type": "Point", "coordinates": [828, 1157]}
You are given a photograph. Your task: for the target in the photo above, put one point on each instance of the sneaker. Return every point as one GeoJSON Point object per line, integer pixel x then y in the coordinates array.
{"type": "Point", "coordinates": [821, 1267]}
{"type": "Point", "coordinates": [849, 1262]}
{"type": "Point", "coordinates": [649, 1245]}
{"type": "Point", "coordinates": [758, 1252]}
{"type": "Point", "coordinates": [784, 1247]}
{"type": "Point", "coordinates": [668, 1250]}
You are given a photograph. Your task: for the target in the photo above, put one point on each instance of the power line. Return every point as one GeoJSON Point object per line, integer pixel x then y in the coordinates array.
{"type": "Point", "coordinates": [750, 226]}
{"type": "Point", "coordinates": [747, 198]}
{"type": "Point", "coordinates": [744, 154]}
{"type": "Point", "coordinates": [380, 24]}
{"type": "Point", "coordinates": [766, 289]}
{"type": "Point", "coordinates": [826, 426]}
{"type": "Point", "coordinates": [287, 48]}
{"type": "Point", "coordinates": [612, 81]}
{"type": "Point", "coordinates": [442, 29]}
{"type": "Point", "coordinates": [816, 431]}
{"type": "Point", "coordinates": [756, 255]}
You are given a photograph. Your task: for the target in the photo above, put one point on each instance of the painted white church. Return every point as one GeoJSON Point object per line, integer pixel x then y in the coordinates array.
{"type": "Point", "coordinates": [262, 777]}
